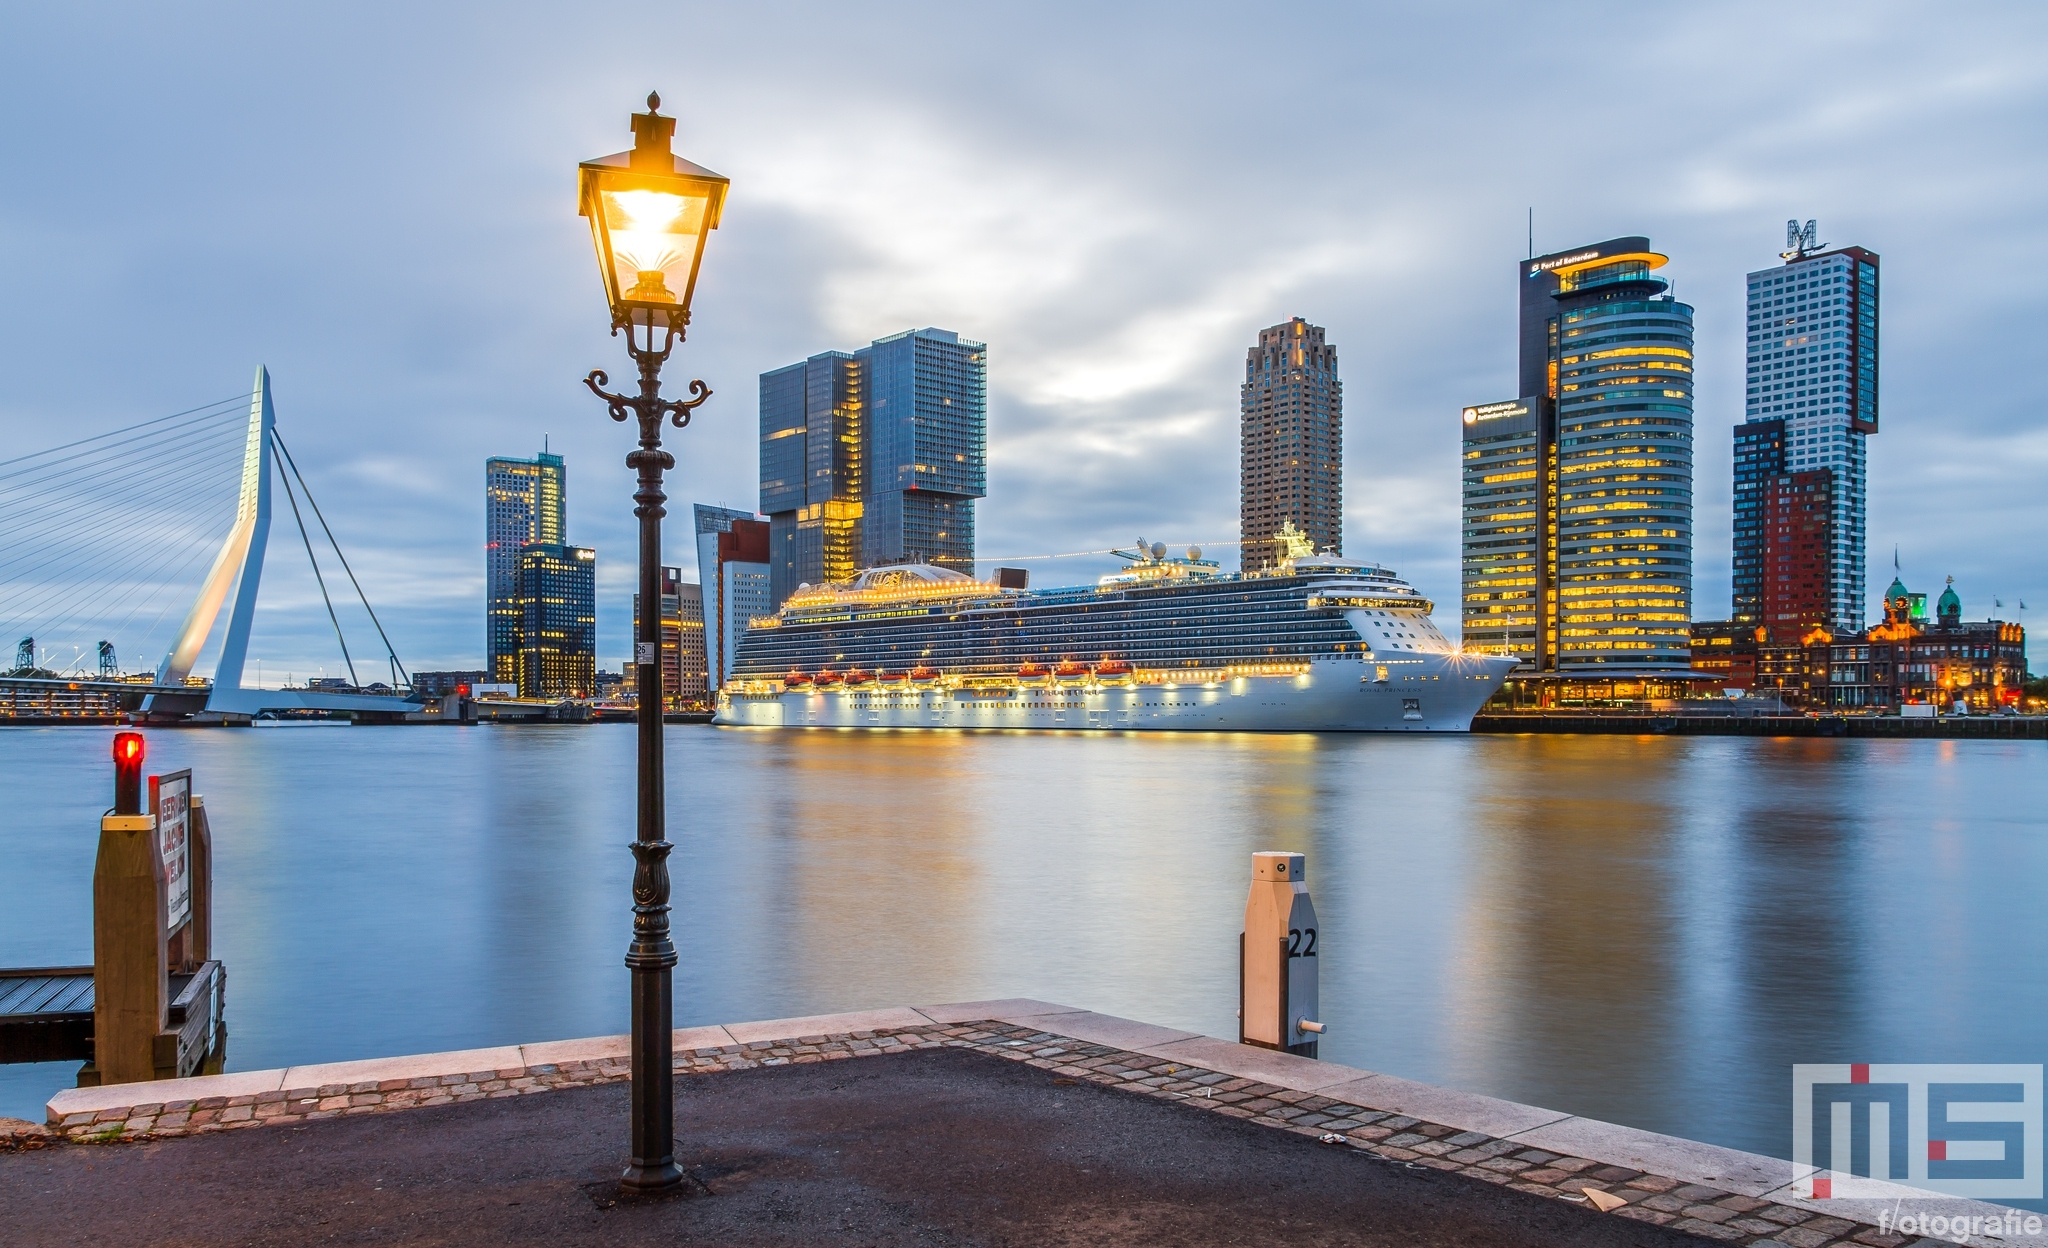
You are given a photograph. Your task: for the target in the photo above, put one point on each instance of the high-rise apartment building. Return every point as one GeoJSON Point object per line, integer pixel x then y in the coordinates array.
{"type": "Point", "coordinates": [874, 457]}
{"type": "Point", "coordinates": [1577, 541]}
{"type": "Point", "coordinates": [524, 502]}
{"type": "Point", "coordinates": [556, 589]}
{"type": "Point", "coordinates": [811, 488]}
{"type": "Point", "coordinates": [1801, 454]}
{"type": "Point", "coordinates": [1291, 444]}
{"type": "Point", "coordinates": [682, 639]}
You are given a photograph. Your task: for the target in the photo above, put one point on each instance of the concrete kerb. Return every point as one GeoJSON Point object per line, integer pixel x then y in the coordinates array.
{"type": "Point", "coordinates": [1724, 1193]}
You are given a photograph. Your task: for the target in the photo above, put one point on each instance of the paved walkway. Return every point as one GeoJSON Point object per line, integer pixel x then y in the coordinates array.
{"type": "Point", "coordinates": [925, 1147]}
{"type": "Point", "coordinates": [987, 1122]}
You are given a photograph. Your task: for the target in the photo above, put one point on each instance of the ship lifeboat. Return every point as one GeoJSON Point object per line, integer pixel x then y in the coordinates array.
{"type": "Point", "coordinates": [1031, 673]}
{"type": "Point", "coordinates": [825, 678]}
{"type": "Point", "coordinates": [924, 675]}
{"type": "Point", "coordinates": [857, 676]}
{"type": "Point", "coordinates": [1113, 671]}
{"type": "Point", "coordinates": [891, 678]}
{"type": "Point", "coordinates": [1070, 671]}
{"type": "Point", "coordinates": [795, 680]}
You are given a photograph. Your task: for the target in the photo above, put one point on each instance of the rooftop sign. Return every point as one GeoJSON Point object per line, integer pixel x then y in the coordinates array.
{"type": "Point", "coordinates": [1496, 411]}
{"type": "Point", "coordinates": [1577, 257]}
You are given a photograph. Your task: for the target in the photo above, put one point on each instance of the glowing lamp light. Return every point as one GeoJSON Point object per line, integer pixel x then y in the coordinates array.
{"type": "Point", "coordinates": [129, 748]}
{"type": "Point", "coordinates": [649, 211]}
{"type": "Point", "coordinates": [128, 752]}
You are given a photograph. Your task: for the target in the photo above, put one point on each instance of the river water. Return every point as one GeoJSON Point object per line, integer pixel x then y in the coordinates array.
{"type": "Point", "coordinates": [1645, 930]}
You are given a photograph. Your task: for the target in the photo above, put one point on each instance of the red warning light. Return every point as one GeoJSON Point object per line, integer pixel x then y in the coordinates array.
{"type": "Point", "coordinates": [128, 751]}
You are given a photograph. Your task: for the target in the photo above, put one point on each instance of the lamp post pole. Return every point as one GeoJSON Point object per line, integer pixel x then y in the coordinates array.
{"type": "Point", "coordinates": [649, 210]}
{"type": "Point", "coordinates": [652, 955]}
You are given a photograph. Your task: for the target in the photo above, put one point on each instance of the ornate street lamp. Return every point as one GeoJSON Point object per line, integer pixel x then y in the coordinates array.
{"type": "Point", "coordinates": [649, 211]}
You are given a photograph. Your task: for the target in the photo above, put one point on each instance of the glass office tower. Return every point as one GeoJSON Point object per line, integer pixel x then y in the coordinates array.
{"type": "Point", "coordinates": [926, 406]}
{"type": "Point", "coordinates": [1810, 406]}
{"type": "Point", "coordinates": [1577, 533]}
{"type": "Point", "coordinates": [525, 501]}
{"type": "Point", "coordinates": [811, 447]}
{"type": "Point", "coordinates": [1290, 444]}
{"type": "Point", "coordinates": [874, 457]}
{"type": "Point", "coordinates": [557, 643]}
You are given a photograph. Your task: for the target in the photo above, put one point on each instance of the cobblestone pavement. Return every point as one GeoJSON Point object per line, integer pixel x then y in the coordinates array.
{"type": "Point", "coordinates": [1385, 1144]}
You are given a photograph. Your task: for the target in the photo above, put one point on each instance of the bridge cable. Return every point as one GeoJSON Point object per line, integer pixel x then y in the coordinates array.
{"type": "Point", "coordinates": [316, 573]}
{"type": "Point", "coordinates": [389, 652]}
{"type": "Point", "coordinates": [208, 414]}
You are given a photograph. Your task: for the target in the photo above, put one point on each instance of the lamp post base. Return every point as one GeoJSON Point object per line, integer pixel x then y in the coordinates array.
{"type": "Point", "coordinates": [639, 1180]}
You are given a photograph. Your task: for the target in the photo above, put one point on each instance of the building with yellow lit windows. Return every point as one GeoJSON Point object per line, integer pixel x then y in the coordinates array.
{"type": "Point", "coordinates": [1577, 526]}
{"type": "Point", "coordinates": [1291, 446]}
{"type": "Point", "coordinates": [524, 503]}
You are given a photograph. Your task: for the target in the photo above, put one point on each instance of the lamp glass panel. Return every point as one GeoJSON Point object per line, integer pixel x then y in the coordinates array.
{"type": "Point", "coordinates": [654, 240]}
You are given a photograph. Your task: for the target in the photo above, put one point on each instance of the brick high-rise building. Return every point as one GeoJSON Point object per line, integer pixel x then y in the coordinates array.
{"type": "Point", "coordinates": [1291, 444]}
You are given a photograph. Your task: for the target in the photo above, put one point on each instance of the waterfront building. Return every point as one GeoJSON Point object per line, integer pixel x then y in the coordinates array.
{"type": "Point", "coordinates": [873, 457]}
{"type": "Point", "coordinates": [733, 567]}
{"type": "Point", "coordinates": [1727, 651]}
{"type": "Point", "coordinates": [710, 523]}
{"type": "Point", "coordinates": [1290, 445]}
{"type": "Point", "coordinates": [1577, 517]}
{"type": "Point", "coordinates": [925, 413]}
{"type": "Point", "coordinates": [1811, 405]}
{"type": "Point", "coordinates": [811, 485]}
{"type": "Point", "coordinates": [682, 639]}
{"type": "Point", "coordinates": [432, 685]}
{"type": "Point", "coordinates": [1904, 661]}
{"type": "Point", "coordinates": [525, 501]}
{"type": "Point", "coordinates": [557, 639]}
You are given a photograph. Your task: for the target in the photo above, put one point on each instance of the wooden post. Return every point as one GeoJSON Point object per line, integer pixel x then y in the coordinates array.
{"type": "Point", "coordinates": [199, 933]}
{"type": "Point", "coordinates": [130, 965]}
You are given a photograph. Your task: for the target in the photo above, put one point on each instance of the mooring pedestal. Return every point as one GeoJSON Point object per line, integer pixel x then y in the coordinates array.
{"type": "Point", "coordinates": [157, 992]}
{"type": "Point", "coordinates": [1277, 957]}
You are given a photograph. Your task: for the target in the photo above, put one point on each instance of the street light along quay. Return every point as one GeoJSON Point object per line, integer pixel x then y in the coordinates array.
{"type": "Point", "coordinates": [649, 211]}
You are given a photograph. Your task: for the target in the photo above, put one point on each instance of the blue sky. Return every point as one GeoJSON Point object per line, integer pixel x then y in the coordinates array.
{"type": "Point", "coordinates": [377, 201]}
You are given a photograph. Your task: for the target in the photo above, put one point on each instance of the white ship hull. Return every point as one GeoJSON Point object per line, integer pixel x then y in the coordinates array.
{"type": "Point", "coordinates": [1431, 692]}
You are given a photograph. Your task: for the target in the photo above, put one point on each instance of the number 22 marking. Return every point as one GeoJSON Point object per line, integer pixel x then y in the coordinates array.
{"type": "Point", "coordinates": [1301, 942]}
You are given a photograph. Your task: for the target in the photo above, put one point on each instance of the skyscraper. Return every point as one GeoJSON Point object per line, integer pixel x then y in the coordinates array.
{"type": "Point", "coordinates": [1801, 453]}
{"type": "Point", "coordinates": [1578, 495]}
{"type": "Point", "coordinates": [874, 457]}
{"type": "Point", "coordinates": [682, 638]}
{"type": "Point", "coordinates": [732, 563]}
{"type": "Point", "coordinates": [524, 502]}
{"type": "Point", "coordinates": [1291, 444]}
{"type": "Point", "coordinates": [556, 589]}
{"type": "Point", "coordinates": [925, 397]}
{"type": "Point", "coordinates": [811, 471]}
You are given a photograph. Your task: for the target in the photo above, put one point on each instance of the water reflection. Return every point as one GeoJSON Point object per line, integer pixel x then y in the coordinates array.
{"type": "Point", "coordinates": [1645, 930]}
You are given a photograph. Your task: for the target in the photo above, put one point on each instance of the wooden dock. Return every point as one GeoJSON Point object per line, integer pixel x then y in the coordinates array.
{"type": "Point", "coordinates": [46, 1014]}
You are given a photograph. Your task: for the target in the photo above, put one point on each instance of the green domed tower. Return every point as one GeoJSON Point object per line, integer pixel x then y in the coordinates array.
{"type": "Point", "coordinates": [1949, 608]}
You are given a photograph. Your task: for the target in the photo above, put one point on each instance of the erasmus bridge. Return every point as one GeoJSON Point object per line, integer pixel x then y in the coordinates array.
{"type": "Point", "coordinates": [78, 571]}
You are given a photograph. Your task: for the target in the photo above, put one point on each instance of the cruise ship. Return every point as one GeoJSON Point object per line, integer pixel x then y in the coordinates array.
{"type": "Point", "coordinates": [1320, 644]}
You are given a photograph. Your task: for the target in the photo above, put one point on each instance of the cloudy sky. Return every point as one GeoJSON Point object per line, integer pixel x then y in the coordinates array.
{"type": "Point", "coordinates": [377, 202]}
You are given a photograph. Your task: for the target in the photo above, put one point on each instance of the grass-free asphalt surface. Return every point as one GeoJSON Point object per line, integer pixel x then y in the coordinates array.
{"type": "Point", "coordinates": [932, 1148]}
